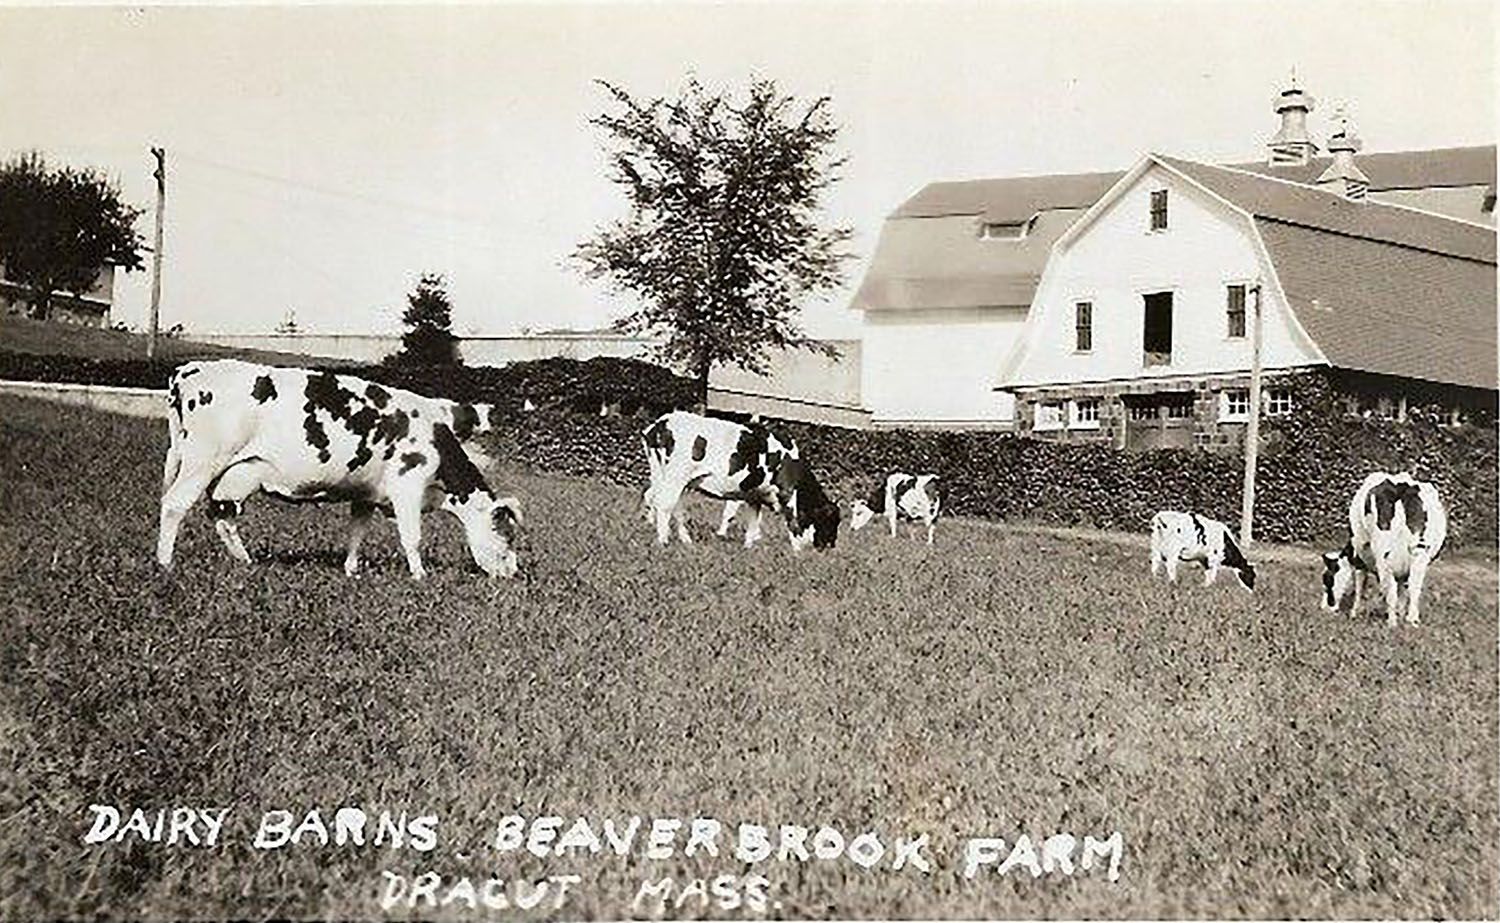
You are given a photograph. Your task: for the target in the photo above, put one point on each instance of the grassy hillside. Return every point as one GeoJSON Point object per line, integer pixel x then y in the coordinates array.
{"type": "Point", "coordinates": [1260, 757]}
{"type": "Point", "coordinates": [25, 335]}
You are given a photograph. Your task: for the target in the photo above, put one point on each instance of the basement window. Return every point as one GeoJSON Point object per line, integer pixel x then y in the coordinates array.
{"type": "Point", "coordinates": [1234, 405]}
{"type": "Point", "coordinates": [1278, 401]}
{"type": "Point", "coordinates": [1083, 413]}
{"type": "Point", "coordinates": [1049, 415]}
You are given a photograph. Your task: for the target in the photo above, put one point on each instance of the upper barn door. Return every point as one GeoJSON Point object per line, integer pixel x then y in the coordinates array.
{"type": "Point", "coordinates": [1157, 329]}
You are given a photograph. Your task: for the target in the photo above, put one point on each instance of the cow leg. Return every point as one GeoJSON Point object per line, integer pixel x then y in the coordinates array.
{"type": "Point", "coordinates": [679, 516]}
{"type": "Point", "coordinates": [665, 498]}
{"type": "Point", "coordinates": [361, 517]}
{"type": "Point", "coordinates": [1392, 591]}
{"type": "Point", "coordinates": [409, 528]}
{"type": "Point", "coordinates": [1210, 571]}
{"type": "Point", "coordinates": [731, 509]}
{"type": "Point", "coordinates": [1414, 582]}
{"type": "Point", "coordinates": [226, 500]}
{"type": "Point", "coordinates": [176, 500]}
{"type": "Point", "coordinates": [931, 523]}
{"type": "Point", "coordinates": [891, 515]}
{"type": "Point", "coordinates": [1172, 562]}
{"type": "Point", "coordinates": [752, 531]}
{"type": "Point", "coordinates": [1360, 577]}
{"type": "Point", "coordinates": [1157, 558]}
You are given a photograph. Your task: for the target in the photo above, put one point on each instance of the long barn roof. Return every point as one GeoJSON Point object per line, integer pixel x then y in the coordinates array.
{"type": "Point", "coordinates": [930, 254]}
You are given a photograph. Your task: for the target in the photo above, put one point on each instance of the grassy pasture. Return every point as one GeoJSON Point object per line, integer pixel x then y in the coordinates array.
{"type": "Point", "coordinates": [1260, 757]}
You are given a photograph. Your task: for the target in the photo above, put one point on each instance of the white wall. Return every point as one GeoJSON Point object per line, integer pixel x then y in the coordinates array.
{"type": "Point", "coordinates": [938, 366]}
{"type": "Point", "coordinates": [1115, 261]}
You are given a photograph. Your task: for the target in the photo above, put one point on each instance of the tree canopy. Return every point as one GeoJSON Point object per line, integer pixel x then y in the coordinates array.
{"type": "Point", "coordinates": [60, 226]}
{"type": "Point", "coordinates": [428, 339]}
{"type": "Point", "coordinates": [723, 244]}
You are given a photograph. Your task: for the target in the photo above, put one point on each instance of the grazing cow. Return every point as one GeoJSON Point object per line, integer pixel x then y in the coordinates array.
{"type": "Point", "coordinates": [237, 428]}
{"type": "Point", "coordinates": [1397, 526]}
{"type": "Point", "coordinates": [915, 498]}
{"type": "Point", "coordinates": [1179, 537]}
{"type": "Point", "coordinates": [732, 462]}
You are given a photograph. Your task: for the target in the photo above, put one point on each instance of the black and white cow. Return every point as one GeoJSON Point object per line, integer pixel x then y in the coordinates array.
{"type": "Point", "coordinates": [238, 428]}
{"type": "Point", "coordinates": [729, 461]}
{"type": "Point", "coordinates": [1397, 526]}
{"type": "Point", "coordinates": [915, 498]}
{"type": "Point", "coordinates": [1177, 537]}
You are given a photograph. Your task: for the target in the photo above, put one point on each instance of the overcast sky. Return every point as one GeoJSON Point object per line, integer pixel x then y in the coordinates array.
{"type": "Point", "coordinates": [320, 158]}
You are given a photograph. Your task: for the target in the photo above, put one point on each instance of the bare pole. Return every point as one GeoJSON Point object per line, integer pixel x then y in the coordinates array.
{"type": "Point", "coordinates": [161, 203]}
{"type": "Point", "coordinates": [1252, 426]}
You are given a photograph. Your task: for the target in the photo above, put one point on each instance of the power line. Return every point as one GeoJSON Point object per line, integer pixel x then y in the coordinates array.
{"type": "Point", "coordinates": [334, 193]}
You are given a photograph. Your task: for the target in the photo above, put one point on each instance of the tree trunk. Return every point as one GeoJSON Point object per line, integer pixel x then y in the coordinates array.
{"type": "Point", "coordinates": [704, 365]}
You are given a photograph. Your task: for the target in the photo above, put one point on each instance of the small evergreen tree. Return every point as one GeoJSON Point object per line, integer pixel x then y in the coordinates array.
{"type": "Point", "coordinates": [428, 339]}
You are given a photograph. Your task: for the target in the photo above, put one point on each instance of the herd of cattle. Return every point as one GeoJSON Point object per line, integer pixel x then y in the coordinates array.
{"type": "Point", "coordinates": [237, 428]}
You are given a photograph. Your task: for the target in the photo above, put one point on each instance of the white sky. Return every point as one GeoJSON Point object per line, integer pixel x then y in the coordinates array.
{"type": "Point", "coordinates": [322, 157]}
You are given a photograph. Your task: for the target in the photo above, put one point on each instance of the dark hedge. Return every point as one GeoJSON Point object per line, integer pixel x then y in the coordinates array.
{"type": "Point", "coordinates": [1313, 460]}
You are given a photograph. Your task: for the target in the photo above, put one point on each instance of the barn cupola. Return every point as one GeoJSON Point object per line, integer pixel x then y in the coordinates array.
{"type": "Point", "coordinates": [1292, 145]}
{"type": "Point", "coordinates": [1343, 176]}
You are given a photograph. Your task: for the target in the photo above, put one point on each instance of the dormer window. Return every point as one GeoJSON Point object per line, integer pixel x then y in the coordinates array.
{"type": "Point", "coordinates": [1003, 230]}
{"type": "Point", "coordinates": [1159, 210]}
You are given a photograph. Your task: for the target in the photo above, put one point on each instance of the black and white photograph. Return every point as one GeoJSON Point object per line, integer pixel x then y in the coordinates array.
{"type": "Point", "coordinates": [749, 460]}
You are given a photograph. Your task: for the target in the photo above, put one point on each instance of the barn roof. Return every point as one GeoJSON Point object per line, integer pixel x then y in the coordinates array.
{"type": "Point", "coordinates": [930, 254]}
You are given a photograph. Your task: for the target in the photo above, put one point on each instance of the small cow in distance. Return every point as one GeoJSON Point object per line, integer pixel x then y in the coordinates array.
{"type": "Point", "coordinates": [1397, 526]}
{"type": "Point", "coordinates": [914, 498]}
{"type": "Point", "coordinates": [1177, 537]}
{"type": "Point", "coordinates": [729, 461]}
{"type": "Point", "coordinates": [307, 436]}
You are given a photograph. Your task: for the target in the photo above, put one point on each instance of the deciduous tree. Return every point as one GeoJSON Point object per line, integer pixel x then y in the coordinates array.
{"type": "Point", "coordinates": [724, 243]}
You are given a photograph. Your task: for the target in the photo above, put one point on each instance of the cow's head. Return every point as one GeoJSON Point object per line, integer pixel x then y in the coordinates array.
{"type": "Point", "coordinates": [811, 518]}
{"type": "Point", "coordinates": [1340, 569]}
{"type": "Point", "coordinates": [860, 515]}
{"type": "Point", "coordinates": [492, 533]}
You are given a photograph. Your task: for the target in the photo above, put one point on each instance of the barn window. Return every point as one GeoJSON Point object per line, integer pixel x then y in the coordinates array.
{"type": "Point", "coordinates": [1234, 405]}
{"type": "Point", "coordinates": [1236, 311]}
{"type": "Point", "coordinates": [1278, 401]}
{"type": "Point", "coordinates": [1003, 230]}
{"type": "Point", "coordinates": [1140, 412]}
{"type": "Point", "coordinates": [1084, 326]}
{"type": "Point", "coordinates": [1049, 415]}
{"type": "Point", "coordinates": [1084, 413]}
{"type": "Point", "coordinates": [1159, 210]}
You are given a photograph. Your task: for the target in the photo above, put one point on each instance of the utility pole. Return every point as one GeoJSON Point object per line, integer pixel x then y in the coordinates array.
{"type": "Point", "coordinates": [1252, 426]}
{"type": "Point", "coordinates": [161, 203]}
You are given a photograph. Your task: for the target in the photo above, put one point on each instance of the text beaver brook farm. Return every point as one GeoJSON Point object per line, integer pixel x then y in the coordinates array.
{"type": "Point", "coordinates": [758, 851]}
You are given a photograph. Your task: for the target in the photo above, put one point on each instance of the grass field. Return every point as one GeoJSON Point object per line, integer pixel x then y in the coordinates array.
{"type": "Point", "coordinates": [1259, 757]}
{"type": "Point", "coordinates": [52, 338]}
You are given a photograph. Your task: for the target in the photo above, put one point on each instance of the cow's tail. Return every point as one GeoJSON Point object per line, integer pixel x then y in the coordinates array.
{"type": "Point", "coordinates": [173, 463]}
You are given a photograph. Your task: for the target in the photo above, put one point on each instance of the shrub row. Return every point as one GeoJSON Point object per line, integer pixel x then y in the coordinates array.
{"type": "Point", "coordinates": [1315, 457]}
{"type": "Point", "coordinates": [628, 386]}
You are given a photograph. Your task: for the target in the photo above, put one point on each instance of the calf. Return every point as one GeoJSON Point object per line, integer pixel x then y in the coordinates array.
{"type": "Point", "coordinates": [915, 498]}
{"type": "Point", "coordinates": [237, 429]}
{"type": "Point", "coordinates": [1397, 526]}
{"type": "Point", "coordinates": [728, 461]}
{"type": "Point", "coordinates": [1179, 537]}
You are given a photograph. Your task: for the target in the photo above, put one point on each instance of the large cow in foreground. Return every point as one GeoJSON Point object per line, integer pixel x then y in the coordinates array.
{"type": "Point", "coordinates": [728, 461]}
{"type": "Point", "coordinates": [1177, 537]}
{"type": "Point", "coordinates": [1397, 526]}
{"type": "Point", "coordinates": [238, 428]}
{"type": "Point", "coordinates": [912, 497]}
